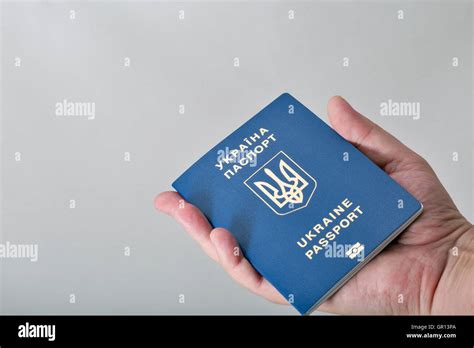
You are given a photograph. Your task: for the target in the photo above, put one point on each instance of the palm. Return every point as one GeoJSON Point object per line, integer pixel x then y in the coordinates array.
{"type": "Point", "coordinates": [391, 282]}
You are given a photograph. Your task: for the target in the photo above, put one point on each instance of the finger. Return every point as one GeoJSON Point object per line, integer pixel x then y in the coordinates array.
{"type": "Point", "coordinates": [190, 217]}
{"type": "Point", "coordinates": [239, 268]}
{"type": "Point", "coordinates": [377, 144]}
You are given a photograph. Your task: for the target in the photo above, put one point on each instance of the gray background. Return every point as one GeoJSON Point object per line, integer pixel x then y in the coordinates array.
{"type": "Point", "coordinates": [190, 62]}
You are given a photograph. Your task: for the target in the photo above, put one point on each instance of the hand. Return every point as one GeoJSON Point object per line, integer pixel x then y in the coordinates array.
{"type": "Point", "coordinates": [428, 269]}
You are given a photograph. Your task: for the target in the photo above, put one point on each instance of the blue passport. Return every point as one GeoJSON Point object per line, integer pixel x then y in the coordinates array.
{"type": "Point", "coordinates": [307, 207]}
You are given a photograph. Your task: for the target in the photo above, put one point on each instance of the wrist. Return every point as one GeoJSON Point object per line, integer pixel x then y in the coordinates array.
{"type": "Point", "coordinates": [454, 293]}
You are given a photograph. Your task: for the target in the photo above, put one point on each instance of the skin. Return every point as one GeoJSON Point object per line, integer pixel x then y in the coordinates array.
{"type": "Point", "coordinates": [428, 269]}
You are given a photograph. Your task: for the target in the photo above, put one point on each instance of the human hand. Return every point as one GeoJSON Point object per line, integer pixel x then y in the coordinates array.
{"type": "Point", "coordinates": [428, 269]}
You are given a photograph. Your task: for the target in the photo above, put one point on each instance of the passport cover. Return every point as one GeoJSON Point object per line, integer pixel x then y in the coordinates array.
{"type": "Point", "coordinates": [307, 208]}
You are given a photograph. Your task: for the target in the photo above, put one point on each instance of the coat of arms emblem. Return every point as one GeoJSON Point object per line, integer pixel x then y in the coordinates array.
{"type": "Point", "coordinates": [282, 184]}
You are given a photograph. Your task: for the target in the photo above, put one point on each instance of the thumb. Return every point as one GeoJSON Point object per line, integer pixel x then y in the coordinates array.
{"type": "Point", "coordinates": [377, 144]}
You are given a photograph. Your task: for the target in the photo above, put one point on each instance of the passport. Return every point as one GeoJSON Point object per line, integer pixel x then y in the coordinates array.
{"type": "Point", "coordinates": [307, 207]}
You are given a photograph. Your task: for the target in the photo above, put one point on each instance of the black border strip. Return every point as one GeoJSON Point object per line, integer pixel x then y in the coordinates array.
{"type": "Point", "coordinates": [292, 330]}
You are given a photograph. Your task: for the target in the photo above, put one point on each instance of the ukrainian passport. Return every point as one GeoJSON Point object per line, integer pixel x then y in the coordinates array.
{"type": "Point", "coordinates": [308, 208]}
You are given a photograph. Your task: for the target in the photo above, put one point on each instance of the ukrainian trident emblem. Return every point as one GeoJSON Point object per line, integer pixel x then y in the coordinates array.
{"type": "Point", "coordinates": [282, 184]}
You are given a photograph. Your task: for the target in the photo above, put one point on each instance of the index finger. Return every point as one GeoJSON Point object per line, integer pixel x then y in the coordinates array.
{"type": "Point", "coordinates": [190, 217]}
